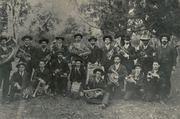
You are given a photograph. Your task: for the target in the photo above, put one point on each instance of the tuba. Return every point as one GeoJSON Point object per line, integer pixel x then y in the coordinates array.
{"type": "Point", "coordinates": [12, 49]}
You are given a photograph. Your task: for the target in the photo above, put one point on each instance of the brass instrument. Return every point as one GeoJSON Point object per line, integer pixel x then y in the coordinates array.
{"type": "Point", "coordinates": [12, 49]}
{"type": "Point", "coordinates": [93, 93]}
{"type": "Point", "coordinates": [151, 75]}
{"type": "Point", "coordinates": [80, 52]}
{"type": "Point", "coordinates": [114, 77]}
{"type": "Point", "coordinates": [110, 54]}
{"type": "Point", "coordinates": [24, 54]}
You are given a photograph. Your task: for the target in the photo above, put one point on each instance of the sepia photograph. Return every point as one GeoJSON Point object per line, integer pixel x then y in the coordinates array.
{"type": "Point", "coordinates": [89, 59]}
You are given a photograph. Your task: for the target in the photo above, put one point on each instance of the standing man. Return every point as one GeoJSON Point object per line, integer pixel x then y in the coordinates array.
{"type": "Point", "coordinates": [58, 45]}
{"type": "Point", "coordinates": [43, 52]}
{"type": "Point", "coordinates": [96, 53]}
{"type": "Point", "coordinates": [127, 53]}
{"type": "Point", "coordinates": [60, 73]}
{"type": "Point", "coordinates": [28, 53]}
{"type": "Point", "coordinates": [108, 52]}
{"type": "Point", "coordinates": [147, 54]}
{"type": "Point", "coordinates": [79, 48]}
{"type": "Point", "coordinates": [5, 68]}
{"type": "Point", "coordinates": [167, 59]}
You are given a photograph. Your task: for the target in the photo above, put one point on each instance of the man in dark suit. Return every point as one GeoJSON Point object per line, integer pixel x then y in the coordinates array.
{"type": "Point", "coordinates": [5, 67]}
{"type": "Point", "coordinates": [42, 76]}
{"type": "Point", "coordinates": [135, 84]}
{"type": "Point", "coordinates": [96, 53]}
{"type": "Point", "coordinates": [147, 54]}
{"type": "Point", "coordinates": [29, 53]}
{"type": "Point", "coordinates": [58, 45]}
{"type": "Point", "coordinates": [60, 71]}
{"type": "Point", "coordinates": [116, 75]}
{"type": "Point", "coordinates": [78, 73]}
{"type": "Point", "coordinates": [108, 52]}
{"type": "Point", "coordinates": [166, 55]}
{"type": "Point", "coordinates": [96, 82]}
{"type": "Point", "coordinates": [20, 80]}
{"type": "Point", "coordinates": [127, 53]}
{"type": "Point", "coordinates": [43, 53]}
{"type": "Point", "coordinates": [153, 82]}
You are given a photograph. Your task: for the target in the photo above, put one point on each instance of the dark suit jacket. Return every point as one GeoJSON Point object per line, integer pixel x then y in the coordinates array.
{"type": "Point", "coordinates": [62, 66]}
{"type": "Point", "coordinates": [45, 75]}
{"type": "Point", "coordinates": [5, 68]}
{"type": "Point", "coordinates": [122, 71]}
{"type": "Point", "coordinates": [147, 61]}
{"type": "Point", "coordinates": [95, 55]}
{"type": "Point", "coordinates": [78, 76]}
{"type": "Point", "coordinates": [93, 84]}
{"type": "Point", "coordinates": [23, 81]}
{"type": "Point", "coordinates": [167, 56]}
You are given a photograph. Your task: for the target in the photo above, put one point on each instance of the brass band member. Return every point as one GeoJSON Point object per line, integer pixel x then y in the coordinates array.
{"type": "Point", "coordinates": [117, 73]}
{"type": "Point", "coordinates": [28, 53]}
{"type": "Point", "coordinates": [135, 84]}
{"type": "Point", "coordinates": [152, 83]}
{"type": "Point", "coordinates": [78, 74]}
{"type": "Point", "coordinates": [79, 48]}
{"type": "Point", "coordinates": [147, 54]}
{"type": "Point", "coordinates": [5, 68]}
{"type": "Point", "coordinates": [108, 52]}
{"type": "Point", "coordinates": [41, 77]}
{"type": "Point", "coordinates": [167, 55]}
{"type": "Point", "coordinates": [58, 45]}
{"type": "Point", "coordinates": [127, 53]}
{"type": "Point", "coordinates": [43, 53]}
{"type": "Point", "coordinates": [96, 87]}
{"type": "Point", "coordinates": [96, 53]}
{"type": "Point", "coordinates": [20, 80]}
{"type": "Point", "coordinates": [60, 74]}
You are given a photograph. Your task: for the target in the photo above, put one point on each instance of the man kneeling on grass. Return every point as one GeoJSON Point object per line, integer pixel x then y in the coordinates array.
{"type": "Point", "coordinates": [135, 84]}
{"type": "Point", "coordinates": [20, 81]}
{"type": "Point", "coordinates": [41, 79]}
{"type": "Point", "coordinates": [95, 87]}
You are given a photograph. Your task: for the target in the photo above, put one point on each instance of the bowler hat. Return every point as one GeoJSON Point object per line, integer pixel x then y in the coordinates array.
{"type": "Point", "coordinates": [108, 36]}
{"type": "Point", "coordinates": [26, 37]}
{"type": "Point", "coordinates": [98, 69]}
{"type": "Point", "coordinates": [44, 40]}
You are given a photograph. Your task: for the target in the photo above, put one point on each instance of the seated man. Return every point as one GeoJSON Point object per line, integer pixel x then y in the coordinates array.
{"type": "Point", "coordinates": [20, 80]}
{"type": "Point", "coordinates": [134, 83]}
{"type": "Point", "coordinates": [77, 76]}
{"type": "Point", "coordinates": [117, 73]}
{"type": "Point", "coordinates": [95, 87]}
{"type": "Point", "coordinates": [152, 82]}
{"type": "Point", "coordinates": [41, 78]}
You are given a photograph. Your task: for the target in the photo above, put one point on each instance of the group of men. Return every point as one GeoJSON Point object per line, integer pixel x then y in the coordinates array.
{"type": "Point", "coordinates": [140, 72]}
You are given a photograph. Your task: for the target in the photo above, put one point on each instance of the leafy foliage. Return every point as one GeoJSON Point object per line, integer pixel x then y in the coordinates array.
{"type": "Point", "coordinates": [127, 16]}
